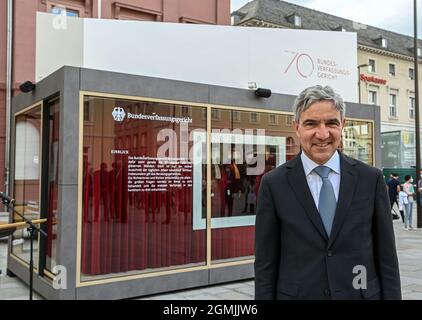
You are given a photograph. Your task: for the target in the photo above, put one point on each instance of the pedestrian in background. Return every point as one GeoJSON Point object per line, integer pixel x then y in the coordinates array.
{"type": "Point", "coordinates": [393, 186]}
{"type": "Point", "coordinates": [402, 202]}
{"type": "Point", "coordinates": [410, 191]}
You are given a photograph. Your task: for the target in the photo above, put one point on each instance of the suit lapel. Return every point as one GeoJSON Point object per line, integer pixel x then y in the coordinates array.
{"type": "Point", "coordinates": [348, 184]}
{"type": "Point", "coordinates": [297, 180]}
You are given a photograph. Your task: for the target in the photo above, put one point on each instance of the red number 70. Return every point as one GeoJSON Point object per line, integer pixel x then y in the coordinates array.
{"type": "Point", "coordinates": [299, 59]}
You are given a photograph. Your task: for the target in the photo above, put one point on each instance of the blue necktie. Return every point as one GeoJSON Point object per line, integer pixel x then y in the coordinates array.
{"type": "Point", "coordinates": [327, 200]}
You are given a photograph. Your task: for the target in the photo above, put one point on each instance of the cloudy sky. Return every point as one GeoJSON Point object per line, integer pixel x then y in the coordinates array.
{"type": "Point", "coordinates": [391, 15]}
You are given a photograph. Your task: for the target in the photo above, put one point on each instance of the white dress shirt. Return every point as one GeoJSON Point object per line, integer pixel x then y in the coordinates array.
{"type": "Point", "coordinates": [315, 181]}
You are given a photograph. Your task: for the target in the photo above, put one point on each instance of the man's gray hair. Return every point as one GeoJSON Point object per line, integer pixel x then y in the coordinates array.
{"type": "Point", "coordinates": [314, 94]}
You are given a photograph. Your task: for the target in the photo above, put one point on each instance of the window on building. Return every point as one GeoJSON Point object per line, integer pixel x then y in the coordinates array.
{"type": "Point", "coordinates": [411, 74]}
{"type": "Point", "coordinates": [371, 67]}
{"type": "Point", "coordinates": [392, 69]}
{"type": "Point", "coordinates": [215, 114]}
{"type": "Point", "coordinates": [26, 181]}
{"type": "Point", "coordinates": [384, 42]}
{"type": "Point", "coordinates": [125, 11]}
{"type": "Point", "coordinates": [412, 107]}
{"type": "Point", "coordinates": [290, 143]}
{"type": "Point", "coordinates": [177, 203]}
{"type": "Point", "coordinates": [236, 172]}
{"type": "Point", "coordinates": [289, 120]}
{"type": "Point", "coordinates": [372, 97]}
{"type": "Point", "coordinates": [62, 11]}
{"type": "Point", "coordinates": [358, 140]}
{"type": "Point", "coordinates": [235, 116]}
{"type": "Point", "coordinates": [254, 117]}
{"type": "Point", "coordinates": [52, 135]}
{"type": "Point", "coordinates": [393, 104]}
{"type": "Point", "coordinates": [295, 19]}
{"type": "Point", "coordinates": [272, 119]}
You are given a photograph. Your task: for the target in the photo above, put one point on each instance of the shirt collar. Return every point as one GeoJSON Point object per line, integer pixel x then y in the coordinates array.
{"type": "Point", "coordinates": [309, 165]}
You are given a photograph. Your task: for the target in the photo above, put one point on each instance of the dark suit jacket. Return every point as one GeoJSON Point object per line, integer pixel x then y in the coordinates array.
{"type": "Point", "coordinates": [295, 259]}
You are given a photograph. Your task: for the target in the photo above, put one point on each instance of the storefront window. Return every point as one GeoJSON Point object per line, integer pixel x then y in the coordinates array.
{"type": "Point", "coordinates": [140, 174]}
{"type": "Point", "coordinates": [53, 109]}
{"type": "Point", "coordinates": [241, 154]}
{"type": "Point", "coordinates": [26, 184]}
{"type": "Point", "coordinates": [145, 182]}
{"type": "Point", "coordinates": [357, 140]}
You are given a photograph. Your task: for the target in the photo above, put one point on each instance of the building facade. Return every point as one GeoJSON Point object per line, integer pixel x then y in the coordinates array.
{"type": "Point", "coordinates": [23, 32]}
{"type": "Point", "coordinates": [385, 67]}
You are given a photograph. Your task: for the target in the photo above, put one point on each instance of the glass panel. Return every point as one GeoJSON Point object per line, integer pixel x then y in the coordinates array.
{"type": "Point", "coordinates": [398, 149]}
{"type": "Point", "coordinates": [53, 182]}
{"type": "Point", "coordinates": [240, 155]}
{"type": "Point", "coordinates": [393, 105]}
{"type": "Point", "coordinates": [411, 74]}
{"type": "Point", "coordinates": [411, 107]}
{"type": "Point", "coordinates": [371, 67]}
{"type": "Point", "coordinates": [26, 184]}
{"type": "Point", "coordinates": [62, 11]}
{"type": "Point", "coordinates": [384, 43]}
{"type": "Point", "coordinates": [372, 97]}
{"type": "Point", "coordinates": [392, 69]}
{"type": "Point", "coordinates": [357, 140]}
{"type": "Point", "coordinates": [144, 184]}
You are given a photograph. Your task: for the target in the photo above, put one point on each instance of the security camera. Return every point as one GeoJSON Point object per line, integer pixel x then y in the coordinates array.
{"type": "Point", "coordinates": [263, 93]}
{"type": "Point", "coordinates": [27, 86]}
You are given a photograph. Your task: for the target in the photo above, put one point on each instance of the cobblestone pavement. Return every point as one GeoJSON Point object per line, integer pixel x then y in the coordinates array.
{"type": "Point", "coordinates": [409, 246]}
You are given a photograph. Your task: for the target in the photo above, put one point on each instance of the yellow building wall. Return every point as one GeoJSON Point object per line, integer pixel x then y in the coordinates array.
{"type": "Point", "coordinates": [400, 82]}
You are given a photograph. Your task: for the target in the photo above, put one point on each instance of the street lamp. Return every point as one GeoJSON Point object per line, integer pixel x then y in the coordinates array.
{"type": "Point", "coordinates": [360, 66]}
{"type": "Point", "coordinates": [417, 120]}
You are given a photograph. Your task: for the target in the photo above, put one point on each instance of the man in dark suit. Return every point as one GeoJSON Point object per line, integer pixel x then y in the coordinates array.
{"type": "Point", "coordinates": [323, 224]}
